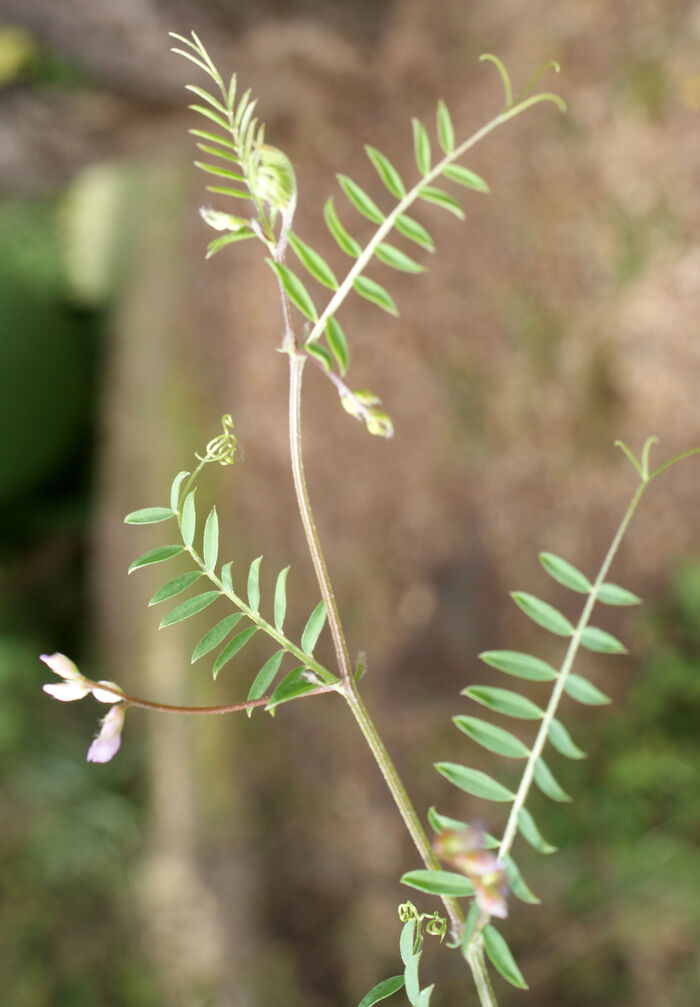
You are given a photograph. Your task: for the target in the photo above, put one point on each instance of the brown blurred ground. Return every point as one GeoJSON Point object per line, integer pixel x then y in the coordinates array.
{"type": "Point", "coordinates": [560, 317]}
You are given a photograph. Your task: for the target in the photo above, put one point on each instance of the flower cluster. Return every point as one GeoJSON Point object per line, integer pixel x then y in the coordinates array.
{"type": "Point", "coordinates": [76, 686]}
{"type": "Point", "coordinates": [464, 849]}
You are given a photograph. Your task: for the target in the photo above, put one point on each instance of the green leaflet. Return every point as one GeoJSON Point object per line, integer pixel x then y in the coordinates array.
{"type": "Point", "coordinates": [584, 691]}
{"type": "Point", "coordinates": [313, 628]}
{"type": "Point", "coordinates": [542, 613]}
{"type": "Point", "coordinates": [504, 701]}
{"type": "Point", "coordinates": [189, 519]}
{"type": "Point", "coordinates": [397, 259]}
{"type": "Point", "coordinates": [565, 573]}
{"type": "Point", "coordinates": [529, 831]}
{"type": "Point", "coordinates": [414, 231]}
{"type": "Point", "coordinates": [209, 113]}
{"type": "Point", "coordinates": [212, 137]}
{"type": "Point", "coordinates": [431, 194]}
{"type": "Point", "coordinates": [611, 594]}
{"type": "Point", "coordinates": [226, 578]}
{"type": "Point", "coordinates": [280, 603]}
{"type": "Point", "coordinates": [547, 783]}
{"type": "Point", "coordinates": [228, 239]}
{"type": "Point", "coordinates": [346, 243]}
{"type": "Point", "coordinates": [445, 129]}
{"type": "Point", "coordinates": [295, 290]}
{"type": "Point", "coordinates": [473, 781]}
{"type": "Point", "coordinates": [312, 261]}
{"type": "Point", "coordinates": [175, 587]}
{"type": "Point", "coordinates": [264, 678]}
{"type": "Point", "coordinates": [463, 176]}
{"type": "Point", "coordinates": [191, 607]}
{"type": "Point", "coordinates": [214, 169]}
{"type": "Point", "coordinates": [387, 172]}
{"type": "Point", "coordinates": [175, 489]}
{"type": "Point", "coordinates": [231, 649]}
{"type": "Point", "coordinates": [211, 541]}
{"type": "Point", "coordinates": [421, 146]}
{"type": "Point", "coordinates": [363, 203]}
{"type": "Point", "coordinates": [512, 662]}
{"type": "Point", "coordinates": [338, 344]}
{"type": "Point", "coordinates": [601, 642]}
{"type": "Point", "coordinates": [223, 190]}
{"type": "Point", "coordinates": [469, 927]}
{"type": "Point", "coordinates": [501, 958]}
{"type": "Point", "coordinates": [292, 685]}
{"type": "Point", "coordinates": [561, 740]}
{"type": "Point", "coordinates": [495, 739]}
{"type": "Point", "coordinates": [158, 555]}
{"type": "Point", "coordinates": [254, 584]}
{"type": "Point", "coordinates": [206, 96]}
{"type": "Point", "coordinates": [216, 635]}
{"type": "Point", "coordinates": [381, 991]}
{"type": "Point", "coordinates": [441, 823]}
{"type": "Point", "coordinates": [372, 291]}
{"type": "Point", "coordinates": [517, 885]}
{"type": "Point", "coordinates": [320, 353]}
{"type": "Point", "coordinates": [439, 882]}
{"type": "Point", "coordinates": [149, 515]}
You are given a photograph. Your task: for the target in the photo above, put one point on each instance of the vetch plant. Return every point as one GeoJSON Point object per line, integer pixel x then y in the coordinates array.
{"type": "Point", "coordinates": [479, 865]}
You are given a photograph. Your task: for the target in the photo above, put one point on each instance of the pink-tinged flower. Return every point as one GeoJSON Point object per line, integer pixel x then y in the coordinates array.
{"type": "Point", "coordinates": [103, 695]}
{"type": "Point", "coordinates": [108, 741]}
{"type": "Point", "coordinates": [464, 850]}
{"type": "Point", "coordinates": [74, 686]}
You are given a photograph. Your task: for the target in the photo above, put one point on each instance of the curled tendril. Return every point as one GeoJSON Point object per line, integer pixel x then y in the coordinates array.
{"type": "Point", "coordinates": [435, 925]}
{"type": "Point", "coordinates": [222, 449]}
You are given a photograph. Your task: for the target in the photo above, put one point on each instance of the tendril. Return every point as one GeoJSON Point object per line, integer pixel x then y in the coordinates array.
{"type": "Point", "coordinates": [435, 925]}
{"type": "Point", "coordinates": [221, 449]}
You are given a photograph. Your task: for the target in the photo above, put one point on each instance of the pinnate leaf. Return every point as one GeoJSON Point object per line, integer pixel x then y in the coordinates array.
{"type": "Point", "coordinates": [216, 635]}
{"type": "Point", "coordinates": [565, 573]}
{"type": "Point", "coordinates": [611, 594]}
{"type": "Point", "coordinates": [312, 261]}
{"type": "Point", "coordinates": [542, 613]}
{"type": "Point", "coordinates": [512, 704]}
{"type": "Point", "coordinates": [175, 586]}
{"type": "Point", "coordinates": [295, 290]}
{"type": "Point", "coordinates": [158, 555]}
{"type": "Point", "coordinates": [500, 956]}
{"type": "Point", "coordinates": [363, 203]}
{"type": "Point", "coordinates": [187, 609]}
{"type": "Point", "coordinates": [495, 739]}
{"type": "Point", "coordinates": [381, 991]}
{"type": "Point", "coordinates": [512, 662]}
{"type": "Point", "coordinates": [439, 882]}
{"type": "Point", "coordinates": [372, 291]}
{"type": "Point", "coordinates": [529, 831]}
{"type": "Point", "coordinates": [313, 628]}
{"type": "Point", "coordinates": [387, 172]}
{"type": "Point", "coordinates": [601, 642]}
{"type": "Point", "coordinates": [473, 781]}
{"type": "Point", "coordinates": [149, 515]}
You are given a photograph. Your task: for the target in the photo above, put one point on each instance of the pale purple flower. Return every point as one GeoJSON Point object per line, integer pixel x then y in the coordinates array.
{"type": "Point", "coordinates": [74, 686]}
{"type": "Point", "coordinates": [107, 743]}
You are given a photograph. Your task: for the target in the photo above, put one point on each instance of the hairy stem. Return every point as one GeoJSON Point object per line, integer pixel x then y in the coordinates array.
{"type": "Point", "coordinates": [147, 704]}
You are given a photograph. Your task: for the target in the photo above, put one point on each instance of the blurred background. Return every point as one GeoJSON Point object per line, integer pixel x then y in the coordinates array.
{"type": "Point", "coordinates": [251, 862]}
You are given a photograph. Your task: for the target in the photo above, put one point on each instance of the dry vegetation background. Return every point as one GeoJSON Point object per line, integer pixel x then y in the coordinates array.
{"type": "Point", "coordinates": [260, 862]}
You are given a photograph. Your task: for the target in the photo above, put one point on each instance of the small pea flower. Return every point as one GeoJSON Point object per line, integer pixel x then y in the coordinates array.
{"type": "Point", "coordinates": [464, 850]}
{"type": "Point", "coordinates": [108, 741]}
{"type": "Point", "coordinates": [77, 686]}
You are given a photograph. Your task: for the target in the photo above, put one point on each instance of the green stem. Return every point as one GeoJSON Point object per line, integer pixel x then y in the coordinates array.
{"type": "Point", "coordinates": [475, 958]}
{"type": "Point", "coordinates": [251, 704]}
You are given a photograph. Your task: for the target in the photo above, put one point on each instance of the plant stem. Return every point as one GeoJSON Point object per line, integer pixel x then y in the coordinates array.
{"type": "Point", "coordinates": [349, 687]}
{"type": "Point", "coordinates": [147, 704]}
